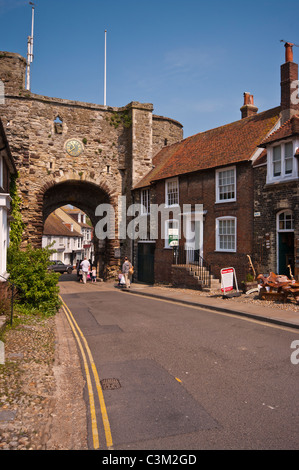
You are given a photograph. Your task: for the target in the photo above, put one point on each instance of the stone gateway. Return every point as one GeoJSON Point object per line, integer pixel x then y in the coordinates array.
{"type": "Point", "coordinates": [83, 154]}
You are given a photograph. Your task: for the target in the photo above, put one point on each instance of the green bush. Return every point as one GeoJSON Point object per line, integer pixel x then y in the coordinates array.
{"type": "Point", "coordinates": [37, 287]}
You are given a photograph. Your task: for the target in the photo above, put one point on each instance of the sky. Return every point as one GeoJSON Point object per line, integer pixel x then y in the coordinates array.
{"type": "Point", "coordinates": [191, 59]}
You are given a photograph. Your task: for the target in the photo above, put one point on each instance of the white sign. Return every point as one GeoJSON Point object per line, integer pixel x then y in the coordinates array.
{"type": "Point", "coordinates": [173, 237]}
{"type": "Point", "coordinates": [227, 279]}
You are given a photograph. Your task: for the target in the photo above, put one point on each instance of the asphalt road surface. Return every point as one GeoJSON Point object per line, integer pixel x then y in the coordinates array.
{"type": "Point", "coordinates": [181, 378]}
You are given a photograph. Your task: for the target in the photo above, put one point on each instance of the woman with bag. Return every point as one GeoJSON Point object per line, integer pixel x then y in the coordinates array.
{"type": "Point", "coordinates": [127, 270]}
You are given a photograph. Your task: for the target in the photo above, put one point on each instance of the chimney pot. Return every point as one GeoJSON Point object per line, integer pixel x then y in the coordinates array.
{"type": "Point", "coordinates": [248, 108]}
{"type": "Point", "coordinates": [289, 51]}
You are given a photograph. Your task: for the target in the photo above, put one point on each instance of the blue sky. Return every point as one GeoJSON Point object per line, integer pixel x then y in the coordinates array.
{"type": "Point", "coordinates": [191, 59]}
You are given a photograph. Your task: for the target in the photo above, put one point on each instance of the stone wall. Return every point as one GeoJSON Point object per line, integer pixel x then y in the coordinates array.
{"type": "Point", "coordinates": [118, 147]}
{"type": "Point", "coordinates": [269, 200]}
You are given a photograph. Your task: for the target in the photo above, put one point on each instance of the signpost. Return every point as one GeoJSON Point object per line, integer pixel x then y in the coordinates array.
{"type": "Point", "coordinates": [173, 241]}
{"type": "Point", "coordinates": [228, 280]}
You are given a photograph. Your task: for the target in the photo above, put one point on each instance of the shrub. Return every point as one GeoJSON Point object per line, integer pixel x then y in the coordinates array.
{"type": "Point", "coordinates": [37, 287]}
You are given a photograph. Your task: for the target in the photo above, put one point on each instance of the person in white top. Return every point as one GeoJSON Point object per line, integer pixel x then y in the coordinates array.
{"type": "Point", "coordinates": [85, 269]}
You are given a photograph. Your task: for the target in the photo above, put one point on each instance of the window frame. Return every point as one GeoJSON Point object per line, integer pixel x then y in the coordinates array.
{"type": "Point", "coordinates": [217, 234]}
{"type": "Point", "coordinates": [284, 221]}
{"type": "Point", "coordinates": [222, 170]}
{"type": "Point", "coordinates": [284, 157]}
{"type": "Point", "coordinates": [1, 172]}
{"type": "Point", "coordinates": [145, 202]}
{"type": "Point", "coordinates": [167, 183]}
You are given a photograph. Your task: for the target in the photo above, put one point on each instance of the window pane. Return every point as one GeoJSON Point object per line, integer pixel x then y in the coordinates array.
{"type": "Point", "coordinates": [288, 158]}
{"type": "Point", "coordinates": [277, 161]}
{"type": "Point", "coordinates": [172, 193]}
{"type": "Point", "coordinates": [286, 221]}
{"type": "Point", "coordinates": [226, 234]}
{"type": "Point", "coordinates": [226, 185]}
{"type": "Point", "coordinates": [289, 150]}
{"type": "Point", "coordinates": [145, 201]}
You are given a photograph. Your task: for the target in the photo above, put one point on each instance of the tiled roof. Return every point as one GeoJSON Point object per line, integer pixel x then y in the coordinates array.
{"type": "Point", "coordinates": [288, 129]}
{"type": "Point", "coordinates": [55, 226]}
{"type": "Point", "coordinates": [225, 145]}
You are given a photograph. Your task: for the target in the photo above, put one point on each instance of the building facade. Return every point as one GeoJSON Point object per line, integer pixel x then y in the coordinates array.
{"type": "Point", "coordinates": [62, 237]}
{"type": "Point", "coordinates": [7, 170]}
{"type": "Point", "coordinates": [276, 195]}
{"type": "Point", "coordinates": [240, 185]}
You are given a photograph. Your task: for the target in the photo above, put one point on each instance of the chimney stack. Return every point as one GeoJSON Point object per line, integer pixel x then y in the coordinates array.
{"type": "Point", "coordinates": [289, 85]}
{"type": "Point", "coordinates": [248, 108]}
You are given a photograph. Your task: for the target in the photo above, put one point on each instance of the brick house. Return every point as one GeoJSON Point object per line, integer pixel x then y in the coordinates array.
{"type": "Point", "coordinates": [7, 169]}
{"type": "Point", "coordinates": [219, 175]}
{"type": "Point", "coordinates": [276, 190]}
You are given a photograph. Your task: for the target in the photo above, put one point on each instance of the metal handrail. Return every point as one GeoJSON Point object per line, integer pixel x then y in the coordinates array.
{"type": "Point", "coordinates": [13, 285]}
{"type": "Point", "coordinates": [191, 259]}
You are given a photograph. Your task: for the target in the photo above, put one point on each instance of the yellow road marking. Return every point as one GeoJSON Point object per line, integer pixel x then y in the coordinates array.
{"type": "Point", "coordinates": [94, 426]}
{"type": "Point", "coordinates": [105, 419]}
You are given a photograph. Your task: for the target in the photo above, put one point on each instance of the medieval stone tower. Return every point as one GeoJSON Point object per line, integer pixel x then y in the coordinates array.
{"type": "Point", "coordinates": [70, 152]}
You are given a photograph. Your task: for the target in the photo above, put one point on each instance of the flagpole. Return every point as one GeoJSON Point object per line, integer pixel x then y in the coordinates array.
{"type": "Point", "coordinates": [105, 68]}
{"type": "Point", "coordinates": [30, 49]}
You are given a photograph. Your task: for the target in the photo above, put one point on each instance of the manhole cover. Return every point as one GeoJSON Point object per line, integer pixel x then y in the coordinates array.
{"type": "Point", "coordinates": [110, 384]}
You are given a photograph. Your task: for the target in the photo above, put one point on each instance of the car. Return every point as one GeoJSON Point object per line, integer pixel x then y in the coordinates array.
{"type": "Point", "coordinates": [59, 267]}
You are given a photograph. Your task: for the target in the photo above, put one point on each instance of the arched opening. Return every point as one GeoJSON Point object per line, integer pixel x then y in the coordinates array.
{"type": "Point", "coordinates": [84, 198]}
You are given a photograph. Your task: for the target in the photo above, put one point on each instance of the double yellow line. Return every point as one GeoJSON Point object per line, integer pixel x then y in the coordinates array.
{"type": "Point", "coordinates": [82, 341]}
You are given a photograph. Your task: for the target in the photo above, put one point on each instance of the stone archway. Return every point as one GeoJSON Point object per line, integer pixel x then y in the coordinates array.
{"type": "Point", "coordinates": [86, 196]}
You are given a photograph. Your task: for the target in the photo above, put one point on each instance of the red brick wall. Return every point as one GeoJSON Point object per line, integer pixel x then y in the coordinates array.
{"type": "Point", "coordinates": [199, 188]}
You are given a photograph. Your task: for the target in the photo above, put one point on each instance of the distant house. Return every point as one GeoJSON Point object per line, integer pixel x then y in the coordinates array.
{"type": "Point", "coordinates": [214, 173]}
{"type": "Point", "coordinates": [86, 230]}
{"type": "Point", "coordinates": [7, 169]}
{"type": "Point", "coordinates": [67, 242]}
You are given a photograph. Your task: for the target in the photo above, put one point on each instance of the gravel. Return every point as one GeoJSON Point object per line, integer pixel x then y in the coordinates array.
{"type": "Point", "coordinates": [41, 387]}
{"type": "Point", "coordinates": [27, 383]}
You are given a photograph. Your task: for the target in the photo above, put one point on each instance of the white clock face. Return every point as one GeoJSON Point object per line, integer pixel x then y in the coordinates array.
{"type": "Point", "coordinates": [74, 147]}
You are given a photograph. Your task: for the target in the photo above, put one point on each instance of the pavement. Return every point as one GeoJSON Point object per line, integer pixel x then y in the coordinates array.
{"type": "Point", "coordinates": [247, 305]}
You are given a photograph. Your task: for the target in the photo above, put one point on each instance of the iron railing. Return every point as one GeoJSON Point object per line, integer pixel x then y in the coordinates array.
{"type": "Point", "coordinates": [191, 259]}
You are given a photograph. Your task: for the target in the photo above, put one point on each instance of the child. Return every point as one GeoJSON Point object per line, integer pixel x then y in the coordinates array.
{"type": "Point", "coordinates": [94, 274]}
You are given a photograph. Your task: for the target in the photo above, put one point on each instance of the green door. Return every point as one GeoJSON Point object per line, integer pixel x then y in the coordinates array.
{"type": "Point", "coordinates": [285, 253]}
{"type": "Point", "coordinates": [146, 262]}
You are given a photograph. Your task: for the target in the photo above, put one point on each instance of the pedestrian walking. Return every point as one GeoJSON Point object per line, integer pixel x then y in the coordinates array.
{"type": "Point", "coordinates": [127, 270]}
{"type": "Point", "coordinates": [85, 269]}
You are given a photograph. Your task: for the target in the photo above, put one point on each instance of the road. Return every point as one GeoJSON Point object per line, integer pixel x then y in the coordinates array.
{"type": "Point", "coordinates": [181, 378]}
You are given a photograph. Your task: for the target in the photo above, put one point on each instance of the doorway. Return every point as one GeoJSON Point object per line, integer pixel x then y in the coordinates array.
{"type": "Point", "coordinates": [146, 262]}
{"type": "Point", "coordinates": [194, 236]}
{"type": "Point", "coordinates": [285, 243]}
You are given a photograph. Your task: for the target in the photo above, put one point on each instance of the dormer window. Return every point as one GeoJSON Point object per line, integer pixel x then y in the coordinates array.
{"type": "Point", "coordinates": [281, 162]}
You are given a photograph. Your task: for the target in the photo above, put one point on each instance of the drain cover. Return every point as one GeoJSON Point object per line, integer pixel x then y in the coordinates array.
{"type": "Point", "coordinates": [110, 384]}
